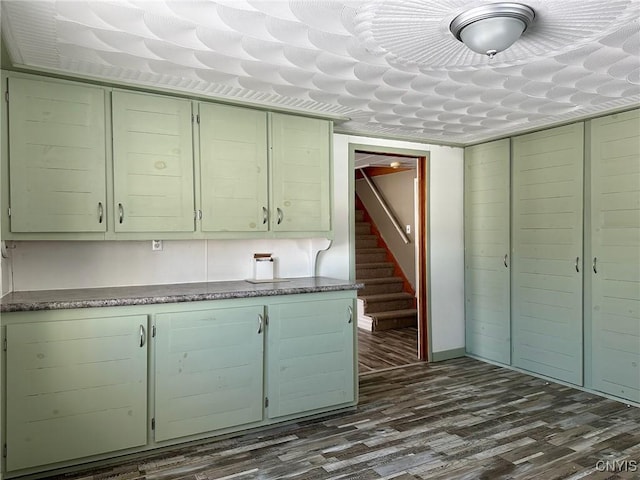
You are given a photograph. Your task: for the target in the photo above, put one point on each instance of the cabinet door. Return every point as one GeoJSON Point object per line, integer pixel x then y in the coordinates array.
{"type": "Point", "coordinates": [547, 237]}
{"type": "Point", "coordinates": [301, 183]}
{"type": "Point", "coordinates": [209, 370]}
{"type": "Point", "coordinates": [310, 356]}
{"type": "Point", "coordinates": [233, 169]}
{"type": "Point", "coordinates": [487, 246]}
{"type": "Point", "coordinates": [152, 163]}
{"type": "Point", "coordinates": [75, 388]}
{"type": "Point", "coordinates": [57, 157]}
{"type": "Point", "coordinates": [615, 254]}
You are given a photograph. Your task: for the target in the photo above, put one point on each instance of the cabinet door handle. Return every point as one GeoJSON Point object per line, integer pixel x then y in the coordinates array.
{"type": "Point", "coordinates": [280, 215]}
{"type": "Point", "coordinates": [265, 215]}
{"type": "Point", "coordinates": [350, 310]}
{"type": "Point", "coordinates": [120, 213]}
{"type": "Point", "coordinates": [143, 336]}
{"type": "Point", "coordinates": [506, 257]}
{"type": "Point", "coordinates": [577, 264]}
{"type": "Point", "coordinates": [100, 212]}
{"type": "Point", "coordinates": [260, 323]}
{"type": "Point", "coordinates": [595, 264]}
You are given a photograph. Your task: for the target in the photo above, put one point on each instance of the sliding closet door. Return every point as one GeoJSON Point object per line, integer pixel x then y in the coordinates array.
{"type": "Point", "coordinates": [547, 234]}
{"type": "Point", "coordinates": [486, 220]}
{"type": "Point", "coordinates": [615, 255]}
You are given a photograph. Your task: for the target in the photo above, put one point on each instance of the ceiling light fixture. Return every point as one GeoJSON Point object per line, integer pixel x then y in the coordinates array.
{"type": "Point", "coordinates": [492, 28]}
{"type": "Point", "coordinates": [394, 164]}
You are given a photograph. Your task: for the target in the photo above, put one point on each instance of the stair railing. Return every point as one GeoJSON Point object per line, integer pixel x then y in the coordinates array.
{"type": "Point", "coordinates": [384, 206]}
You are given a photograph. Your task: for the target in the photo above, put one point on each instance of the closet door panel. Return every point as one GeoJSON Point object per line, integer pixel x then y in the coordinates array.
{"type": "Point", "coordinates": [615, 255]}
{"type": "Point", "coordinates": [487, 323]}
{"type": "Point", "coordinates": [547, 232]}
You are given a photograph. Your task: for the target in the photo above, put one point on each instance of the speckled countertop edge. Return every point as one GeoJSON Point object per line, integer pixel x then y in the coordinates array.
{"type": "Point", "coordinates": [168, 293]}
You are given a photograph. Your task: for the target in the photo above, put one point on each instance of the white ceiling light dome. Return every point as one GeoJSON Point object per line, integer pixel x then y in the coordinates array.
{"type": "Point", "coordinates": [492, 28]}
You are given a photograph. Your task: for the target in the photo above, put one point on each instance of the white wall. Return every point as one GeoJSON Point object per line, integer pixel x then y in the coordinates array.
{"type": "Point", "coordinates": [446, 246]}
{"type": "Point", "coordinates": [55, 265]}
{"type": "Point", "coordinates": [447, 251]}
{"type": "Point", "coordinates": [5, 276]}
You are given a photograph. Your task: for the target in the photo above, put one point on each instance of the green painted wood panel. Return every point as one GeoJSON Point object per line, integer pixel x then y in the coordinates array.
{"type": "Point", "coordinates": [310, 356]}
{"type": "Point", "coordinates": [233, 169]}
{"type": "Point", "coordinates": [75, 388]}
{"type": "Point", "coordinates": [615, 244]}
{"type": "Point", "coordinates": [487, 181]}
{"type": "Point", "coordinates": [301, 174]}
{"type": "Point", "coordinates": [57, 157]}
{"type": "Point", "coordinates": [209, 370]}
{"type": "Point", "coordinates": [152, 163]}
{"type": "Point", "coordinates": [547, 233]}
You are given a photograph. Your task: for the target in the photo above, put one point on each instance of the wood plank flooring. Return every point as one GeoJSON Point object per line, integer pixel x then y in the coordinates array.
{"type": "Point", "coordinates": [461, 419]}
{"type": "Point", "coordinates": [387, 348]}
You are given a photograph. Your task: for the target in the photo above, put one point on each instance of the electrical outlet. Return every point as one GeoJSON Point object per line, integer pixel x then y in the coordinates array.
{"type": "Point", "coordinates": [156, 245]}
{"type": "Point", "coordinates": [408, 229]}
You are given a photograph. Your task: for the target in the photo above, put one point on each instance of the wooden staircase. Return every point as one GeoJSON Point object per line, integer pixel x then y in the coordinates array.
{"type": "Point", "coordinates": [386, 301]}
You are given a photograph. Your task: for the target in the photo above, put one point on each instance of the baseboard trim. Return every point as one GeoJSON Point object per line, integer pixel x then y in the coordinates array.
{"type": "Point", "coordinates": [626, 401]}
{"type": "Point", "coordinates": [448, 354]}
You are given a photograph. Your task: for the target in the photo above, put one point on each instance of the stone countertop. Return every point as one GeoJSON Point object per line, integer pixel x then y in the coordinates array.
{"type": "Point", "coordinates": [169, 293]}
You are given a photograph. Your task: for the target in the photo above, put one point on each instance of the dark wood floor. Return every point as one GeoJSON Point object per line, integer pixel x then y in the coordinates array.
{"type": "Point", "coordinates": [386, 349]}
{"type": "Point", "coordinates": [460, 419]}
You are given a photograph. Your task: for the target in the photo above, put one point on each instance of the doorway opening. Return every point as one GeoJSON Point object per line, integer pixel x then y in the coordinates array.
{"type": "Point", "coordinates": [390, 185]}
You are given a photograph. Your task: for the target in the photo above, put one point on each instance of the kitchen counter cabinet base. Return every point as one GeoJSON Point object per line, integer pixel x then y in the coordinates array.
{"type": "Point", "coordinates": [310, 356]}
{"type": "Point", "coordinates": [74, 388]}
{"type": "Point", "coordinates": [205, 372]}
{"type": "Point", "coordinates": [208, 370]}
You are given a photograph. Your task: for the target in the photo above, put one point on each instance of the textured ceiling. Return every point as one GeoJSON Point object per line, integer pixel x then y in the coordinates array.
{"type": "Point", "coordinates": [390, 66]}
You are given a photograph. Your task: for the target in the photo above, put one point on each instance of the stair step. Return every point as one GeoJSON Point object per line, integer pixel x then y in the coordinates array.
{"type": "Point", "coordinates": [370, 255]}
{"type": "Point", "coordinates": [394, 319]}
{"type": "Point", "coordinates": [359, 215]}
{"type": "Point", "coordinates": [363, 228]}
{"type": "Point", "coordinates": [387, 302]}
{"type": "Point", "coordinates": [373, 286]}
{"type": "Point", "coordinates": [366, 241]}
{"type": "Point", "coordinates": [374, 270]}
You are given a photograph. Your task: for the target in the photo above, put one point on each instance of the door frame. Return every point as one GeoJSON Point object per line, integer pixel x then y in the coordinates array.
{"type": "Point", "coordinates": [423, 289]}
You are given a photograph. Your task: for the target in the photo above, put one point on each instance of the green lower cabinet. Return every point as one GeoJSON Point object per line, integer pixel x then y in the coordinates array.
{"type": "Point", "coordinates": [310, 356]}
{"type": "Point", "coordinates": [74, 388]}
{"type": "Point", "coordinates": [209, 370]}
{"type": "Point", "coordinates": [86, 384]}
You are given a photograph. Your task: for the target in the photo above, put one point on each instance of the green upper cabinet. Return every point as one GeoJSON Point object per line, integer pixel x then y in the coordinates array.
{"type": "Point", "coordinates": [242, 173]}
{"type": "Point", "coordinates": [547, 238]}
{"type": "Point", "coordinates": [614, 265]}
{"type": "Point", "coordinates": [301, 174]}
{"type": "Point", "coordinates": [233, 169]}
{"type": "Point", "coordinates": [57, 159]}
{"type": "Point", "coordinates": [152, 163]}
{"type": "Point", "coordinates": [487, 247]}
